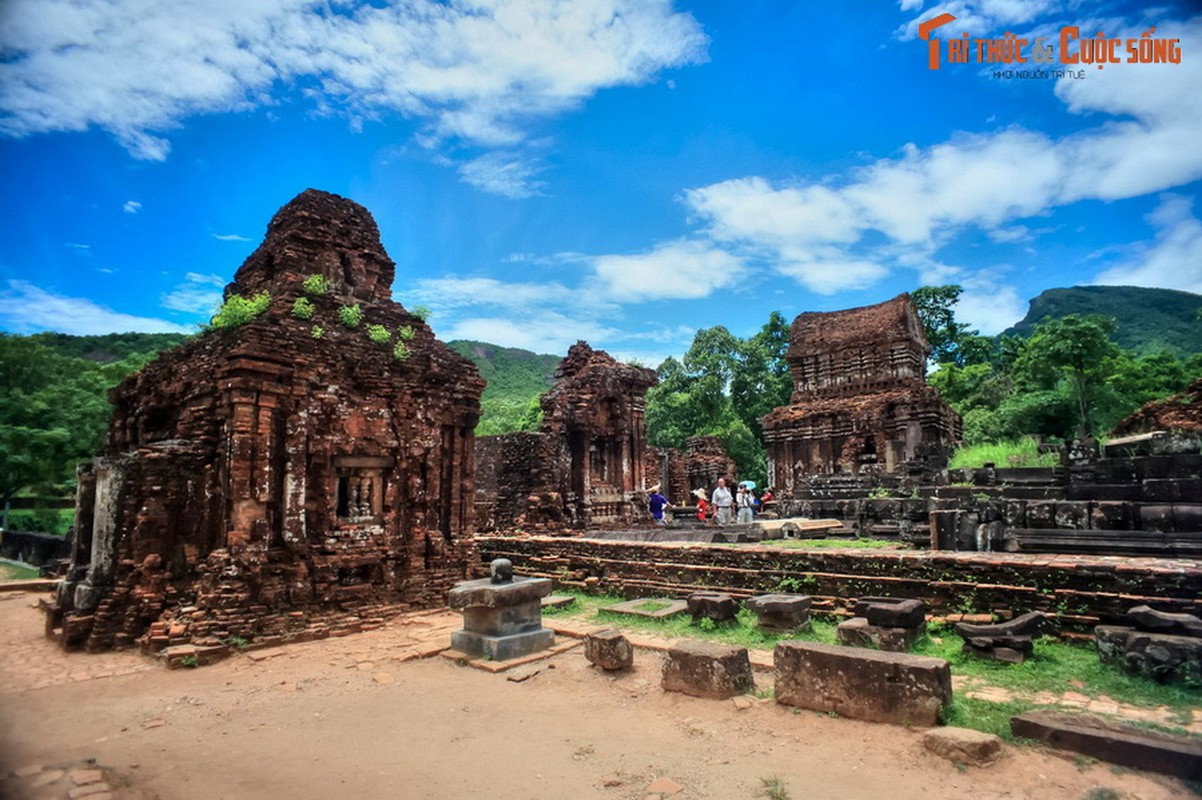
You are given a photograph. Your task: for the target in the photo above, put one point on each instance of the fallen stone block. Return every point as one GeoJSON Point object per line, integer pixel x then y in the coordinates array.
{"type": "Point", "coordinates": [963, 746]}
{"type": "Point", "coordinates": [1148, 619]}
{"type": "Point", "coordinates": [891, 612]}
{"type": "Point", "coordinates": [1030, 625]}
{"type": "Point", "coordinates": [1162, 657]}
{"type": "Point", "coordinates": [857, 632]}
{"type": "Point", "coordinates": [718, 606]}
{"type": "Point", "coordinates": [609, 650]}
{"type": "Point", "coordinates": [704, 669]}
{"type": "Point", "coordinates": [781, 612]}
{"type": "Point", "coordinates": [1125, 745]}
{"type": "Point", "coordinates": [862, 684]}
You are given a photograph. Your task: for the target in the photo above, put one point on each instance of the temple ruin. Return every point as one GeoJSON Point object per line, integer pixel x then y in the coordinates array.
{"type": "Point", "coordinates": [699, 466]}
{"type": "Point", "coordinates": [584, 465]}
{"type": "Point", "coordinates": [308, 470]}
{"type": "Point", "coordinates": [860, 397]}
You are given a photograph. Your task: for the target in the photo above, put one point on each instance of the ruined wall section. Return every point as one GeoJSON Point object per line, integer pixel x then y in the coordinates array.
{"type": "Point", "coordinates": [522, 482]}
{"type": "Point", "coordinates": [265, 468]}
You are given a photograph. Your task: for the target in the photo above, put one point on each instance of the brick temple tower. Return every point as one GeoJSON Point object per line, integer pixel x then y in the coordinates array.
{"type": "Point", "coordinates": [272, 478]}
{"type": "Point", "coordinates": [860, 396]}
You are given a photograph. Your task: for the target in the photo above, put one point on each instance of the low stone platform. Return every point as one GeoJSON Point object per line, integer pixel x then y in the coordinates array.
{"type": "Point", "coordinates": [652, 607]}
{"type": "Point", "coordinates": [501, 621]}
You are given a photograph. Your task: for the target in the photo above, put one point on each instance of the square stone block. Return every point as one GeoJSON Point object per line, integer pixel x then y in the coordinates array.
{"type": "Point", "coordinates": [781, 612]}
{"type": "Point", "coordinates": [493, 621]}
{"type": "Point", "coordinates": [718, 606]}
{"type": "Point", "coordinates": [704, 669]}
{"type": "Point", "coordinates": [609, 649]}
{"type": "Point", "coordinates": [485, 593]}
{"type": "Point", "coordinates": [857, 632]}
{"type": "Point", "coordinates": [862, 684]}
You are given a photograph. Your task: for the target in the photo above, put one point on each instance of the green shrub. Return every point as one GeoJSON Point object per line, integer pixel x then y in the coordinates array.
{"type": "Point", "coordinates": [303, 308]}
{"type": "Point", "coordinates": [316, 285]}
{"type": "Point", "coordinates": [421, 312]}
{"type": "Point", "coordinates": [378, 334]}
{"type": "Point", "coordinates": [238, 310]}
{"type": "Point", "coordinates": [317, 331]}
{"type": "Point", "coordinates": [405, 333]}
{"type": "Point", "coordinates": [351, 316]}
{"type": "Point", "coordinates": [401, 351]}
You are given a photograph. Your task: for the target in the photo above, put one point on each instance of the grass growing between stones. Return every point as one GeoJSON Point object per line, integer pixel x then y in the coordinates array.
{"type": "Point", "coordinates": [16, 572]}
{"type": "Point", "coordinates": [1055, 669]}
{"type": "Point", "coordinates": [1058, 668]}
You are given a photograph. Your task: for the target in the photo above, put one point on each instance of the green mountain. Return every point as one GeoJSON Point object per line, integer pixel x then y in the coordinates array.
{"type": "Point", "coordinates": [515, 380]}
{"type": "Point", "coordinates": [1146, 320]}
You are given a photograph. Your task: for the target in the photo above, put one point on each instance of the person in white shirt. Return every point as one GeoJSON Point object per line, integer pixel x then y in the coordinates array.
{"type": "Point", "coordinates": [722, 500]}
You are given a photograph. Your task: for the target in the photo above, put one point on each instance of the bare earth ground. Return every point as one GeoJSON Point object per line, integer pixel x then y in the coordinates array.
{"type": "Point", "coordinates": [366, 716]}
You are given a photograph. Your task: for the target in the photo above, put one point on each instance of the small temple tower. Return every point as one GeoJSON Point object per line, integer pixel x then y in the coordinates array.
{"type": "Point", "coordinates": [312, 464]}
{"type": "Point", "coordinates": [860, 396]}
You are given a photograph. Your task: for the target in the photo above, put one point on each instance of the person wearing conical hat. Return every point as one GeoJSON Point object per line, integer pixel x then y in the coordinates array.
{"type": "Point", "coordinates": [656, 502]}
{"type": "Point", "coordinates": [703, 506]}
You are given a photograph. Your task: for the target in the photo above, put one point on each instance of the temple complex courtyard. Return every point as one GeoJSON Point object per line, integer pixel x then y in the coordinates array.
{"type": "Point", "coordinates": [381, 714]}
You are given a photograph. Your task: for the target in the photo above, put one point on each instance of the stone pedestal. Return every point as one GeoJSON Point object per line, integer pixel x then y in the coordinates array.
{"type": "Point", "coordinates": [779, 613]}
{"type": "Point", "coordinates": [501, 620]}
{"type": "Point", "coordinates": [718, 606]}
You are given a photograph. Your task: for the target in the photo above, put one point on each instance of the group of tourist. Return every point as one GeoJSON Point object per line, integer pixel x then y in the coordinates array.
{"type": "Point", "coordinates": [718, 506]}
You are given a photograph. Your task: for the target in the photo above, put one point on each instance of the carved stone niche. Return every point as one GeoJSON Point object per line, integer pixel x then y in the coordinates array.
{"type": "Point", "coordinates": [359, 495]}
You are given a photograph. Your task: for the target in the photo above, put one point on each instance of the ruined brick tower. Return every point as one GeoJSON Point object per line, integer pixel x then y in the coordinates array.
{"type": "Point", "coordinates": [288, 475]}
{"type": "Point", "coordinates": [860, 396]}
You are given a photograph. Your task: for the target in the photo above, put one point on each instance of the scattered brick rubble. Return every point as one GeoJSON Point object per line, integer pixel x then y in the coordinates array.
{"type": "Point", "coordinates": [267, 481]}
{"type": "Point", "coordinates": [1159, 645]}
{"type": "Point", "coordinates": [860, 396]}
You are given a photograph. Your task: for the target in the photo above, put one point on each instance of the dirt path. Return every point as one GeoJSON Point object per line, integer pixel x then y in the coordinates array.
{"type": "Point", "coordinates": [366, 717]}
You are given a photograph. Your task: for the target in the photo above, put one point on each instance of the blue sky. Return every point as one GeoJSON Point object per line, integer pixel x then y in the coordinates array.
{"type": "Point", "coordinates": [621, 172]}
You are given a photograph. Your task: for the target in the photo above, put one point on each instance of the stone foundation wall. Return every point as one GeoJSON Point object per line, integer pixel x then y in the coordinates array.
{"type": "Point", "coordinates": [1081, 591]}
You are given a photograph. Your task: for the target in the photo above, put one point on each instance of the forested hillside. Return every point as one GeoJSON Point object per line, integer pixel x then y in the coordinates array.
{"type": "Point", "coordinates": [515, 378]}
{"type": "Point", "coordinates": [1146, 321]}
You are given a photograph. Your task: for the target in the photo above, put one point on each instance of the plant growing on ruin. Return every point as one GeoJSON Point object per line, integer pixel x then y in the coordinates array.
{"type": "Point", "coordinates": [303, 308]}
{"type": "Point", "coordinates": [405, 332]}
{"type": "Point", "coordinates": [237, 642]}
{"type": "Point", "coordinates": [238, 310]}
{"type": "Point", "coordinates": [378, 334]}
{"type": "Point", "coordinates": [351, 316]}
{"type": "Point", "coordinates": [421, 312]}
{"type": "Point", "coordinates": [316, 285]}
{"type": "Point", "coordinates": [189, 661]}
{"type": "Point", "coordinates": [317, 331]}
{"type": "Point", "coordinates": [400, 351]}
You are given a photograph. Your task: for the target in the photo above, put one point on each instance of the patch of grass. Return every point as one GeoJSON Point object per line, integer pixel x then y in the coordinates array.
{"type": "Point", "coordinates": [985, 715]}
{"type": "Point", "coordinates": [16, 572]}
{"type": "Point", "coordinates": [773, 789]}
{"type": "Point", "coordinates": [1021, 453]}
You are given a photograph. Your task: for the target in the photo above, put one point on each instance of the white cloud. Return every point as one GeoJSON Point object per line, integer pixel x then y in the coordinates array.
{"type": "Point", "coordinates": [230, 237]}
{"type": "Point", "coordinates": [507, 174]}
{"type": "Point", "coordinates": [473, 70]}
{"type": "Point", "coordinates": [684, 268]}
{"type": "Point", "coordinates": [131, 207]}
{"type": "Point", "coordinates": [25, 308]}
{"type": "Point", "coordinates": [847, 231]}
{"type": "Point", "coordinates": [196, 295]}
{"type": "Point", "coordinates": [542, 331]}
{"type": "Point", "coordinates": [1173, 260]}
{"type": "Point", "coordinates": [453, 292]}
{"type": "Point", "coordinates": [987, 305]}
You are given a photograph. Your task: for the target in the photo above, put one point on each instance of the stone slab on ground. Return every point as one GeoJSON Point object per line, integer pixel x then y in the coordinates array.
{"type": "Point", "coordinates": [635, 608]}
{"type": "Point", "coordinates": [963, 746]}
{"type": "Point", "coordinates": [1125, 745]}
{"type": "Point", "coordinates": [486, 665]}
{"type": "Point", "coordinates": [558, 601]}
{"type": "Point", "coordinates": [705, 669]}
{"type": "Point", "coordinates": [871, 685]}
